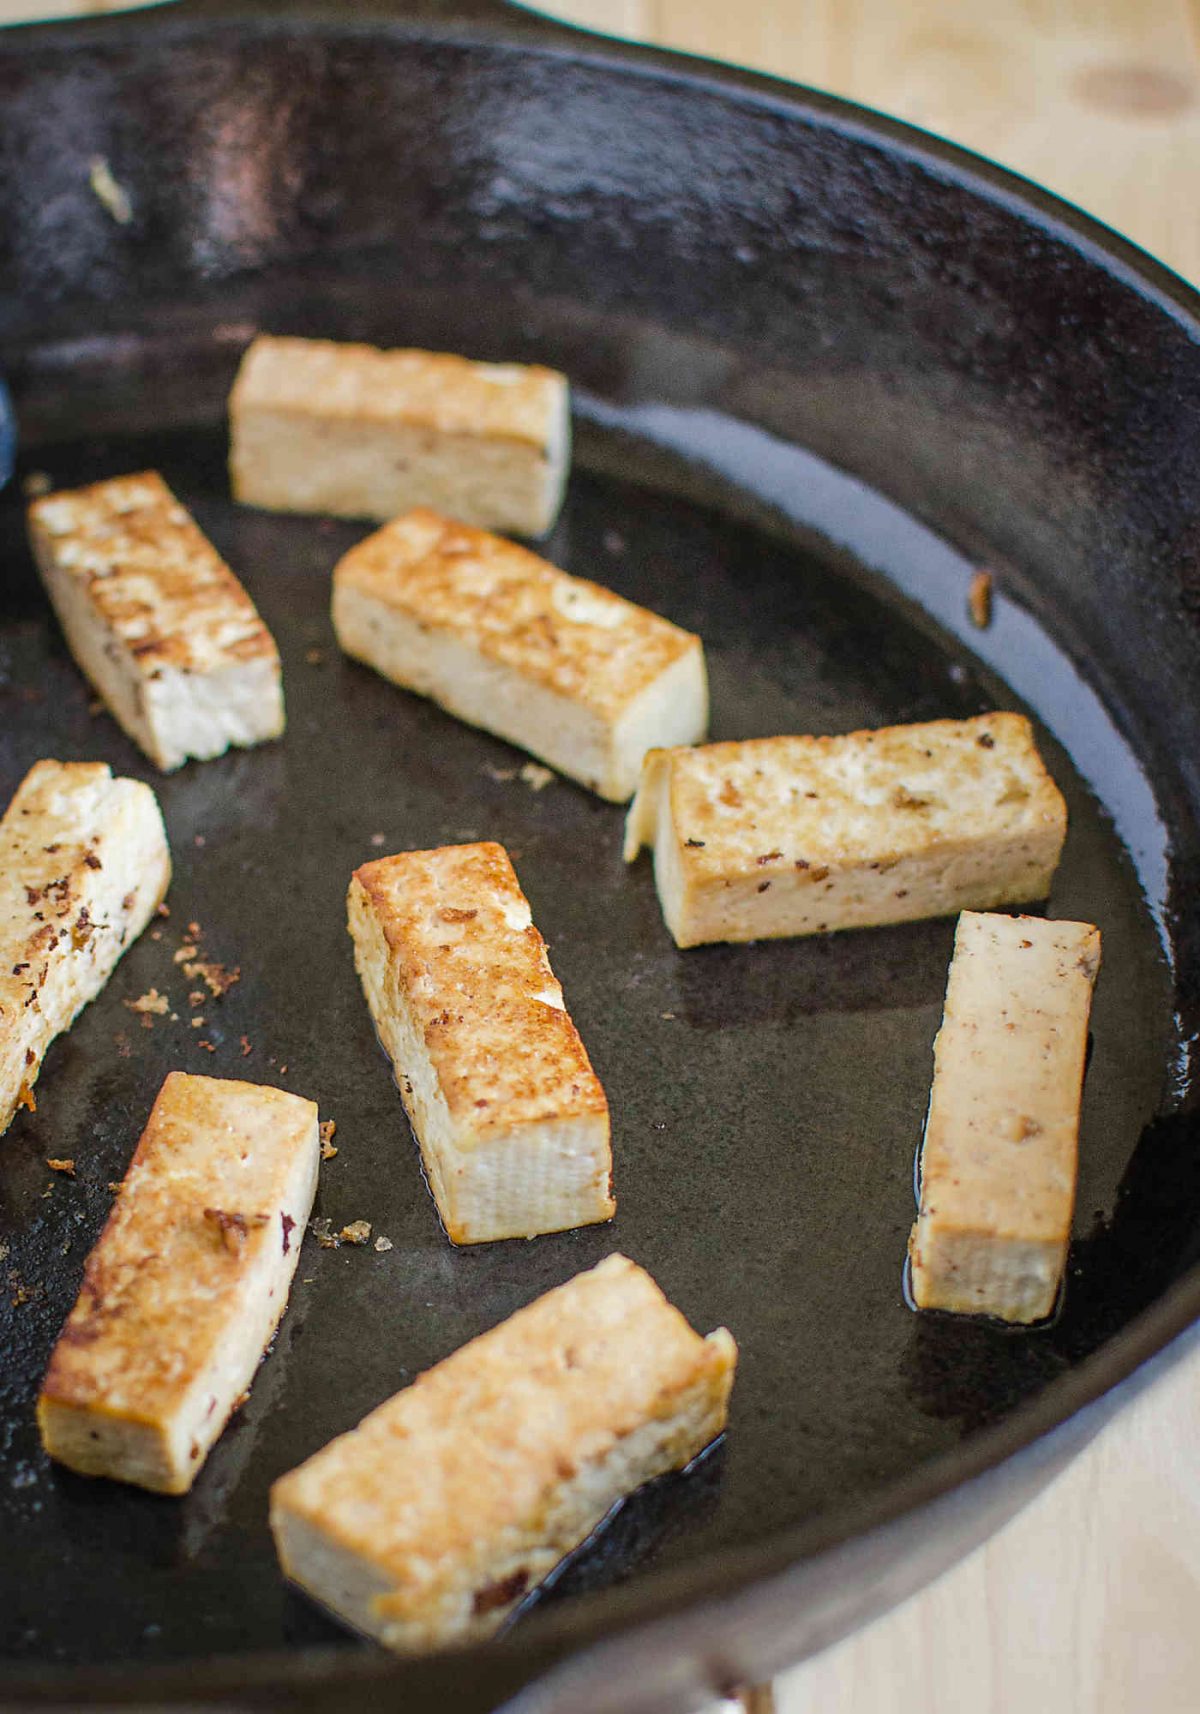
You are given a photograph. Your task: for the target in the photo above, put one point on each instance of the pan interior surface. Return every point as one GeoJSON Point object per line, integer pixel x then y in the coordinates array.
{"type": "Point", "coordinates": [767, 1099]}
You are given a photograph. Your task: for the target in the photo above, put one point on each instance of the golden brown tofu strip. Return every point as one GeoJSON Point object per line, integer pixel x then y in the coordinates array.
{"type": "Point", "coordinates": [429, 1522]}
{"type": "Point", "coordinates": [317, 426]}
{"type": "Point", "coordinates": [511, 1119]}
{"type": "Point", "coordinates": [83, 865]}
{"type": "Point", "coordinates": [998, 1162]}
{"type": "Point", "coordinates": [157, 620]}
{"type": "Point", "coordinates": [566, 669]}
{"type": "Point", "coordinates": [788, 836]}
{"type": "Point", "coordinates": [186, 1284]}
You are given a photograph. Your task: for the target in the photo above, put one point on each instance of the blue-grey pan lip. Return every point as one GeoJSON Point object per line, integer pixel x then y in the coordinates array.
{"type": "Point", "coordinates": [8, 435]}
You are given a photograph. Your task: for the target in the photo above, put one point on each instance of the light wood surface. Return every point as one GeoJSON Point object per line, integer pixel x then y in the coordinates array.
{"type": "Point", "coordinates": [1089, 1601]}
{"type": "Point", "coordinates": [28, 11]}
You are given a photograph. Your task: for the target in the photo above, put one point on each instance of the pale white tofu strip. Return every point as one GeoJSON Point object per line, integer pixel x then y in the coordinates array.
{"type": "Point", "coordinates": [157, 620]}
{"type": "Point", "coordinates": [999, 1157]}
{"type": "Point", "coordinates": [428, 1523]}
{"type": "Point", "coordinates": [357, 432]}
{"type": "Point", "coordinates": [186, 1284]}
{"type": "Point", "coordinates": [771, 837]}
{"type": "Point", "coordinates": [569, 671]}
{"type": "Point", "coordinates": [510, 1116]}
{"type": "Point", "coordinates": [83, 866]}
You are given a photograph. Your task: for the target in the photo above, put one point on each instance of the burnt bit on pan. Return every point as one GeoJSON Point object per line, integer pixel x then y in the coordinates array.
{"type": "Point", "coordinates": [979, 600]}
{"type": "Point", "coordinates": [322, 1231]}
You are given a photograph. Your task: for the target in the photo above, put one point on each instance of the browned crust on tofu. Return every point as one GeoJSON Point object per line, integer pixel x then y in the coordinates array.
{"type": "Point", "coordinates": [466, 946]}
{"type": "Point", "coordinates": [440, 1480]}
{"type": "Point", "coordinates": [156, 1288]}
{"type": "Point", "coordinates": [83, 863]}
{"type": "Point", "coordinates": [516, 609]}
{"type": "Point", "coordinates": [150, 574]}
{"type": "Point", "coordinates": [48, 881]}
{"type": "Point", "coordinates": [726, 808]}
{"type": "Point", "coordinates": [445, 393]}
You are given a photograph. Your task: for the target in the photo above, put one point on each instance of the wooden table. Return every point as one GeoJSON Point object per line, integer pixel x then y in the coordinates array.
{"type": "Point", "coordinates": [1089, 1602]}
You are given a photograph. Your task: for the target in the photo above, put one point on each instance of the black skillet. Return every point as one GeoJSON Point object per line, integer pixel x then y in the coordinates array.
{"type": "Point", "coordinates": [731, 270]}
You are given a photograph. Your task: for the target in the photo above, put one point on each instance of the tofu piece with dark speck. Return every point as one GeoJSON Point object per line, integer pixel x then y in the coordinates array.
{"type": "Point", "coordinates": [1000, 1151]}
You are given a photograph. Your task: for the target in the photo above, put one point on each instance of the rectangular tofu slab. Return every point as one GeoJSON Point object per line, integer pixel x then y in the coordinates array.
{"type": "Point", "coordinates": [565, 669]}
{"type": "Point", "coordinates": [186, 1284]}
{"type": "Point", "coordinates": [789, 836]}
{"type": "Point", "coordinates": [1001, 1140]}
{"type": "Point", "coordinates": [362, 433]}
{"type": "Point", "coordinates": [434, 1518]}
{"type": "Point", "coordinates": [510, 1117]}
{"type": "Point", "coordinates": [157, 620]}
{"type": "Point", "coordinates": [84, 864]}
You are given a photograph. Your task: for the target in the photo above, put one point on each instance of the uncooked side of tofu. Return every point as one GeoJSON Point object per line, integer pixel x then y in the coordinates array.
{"type": "Point", "coordinates": [84, 864]}
{"type": "Point", "coordinates": [186, 1284]}
{"type": "Point", "coordinates": [576, 675]}
{"type": "Point", "coordinates": [428, 1523]}
{"type": "Point", "coordinates": [156, 619]}
{"type": "Point", "coordinates": [999, 1157]}
{"type": "Point", "coordinates": [510, 1117]}
{"type": "Point", "coordinates": [357, 432]}
{"type": "Point", "coordinates": [771, 837]}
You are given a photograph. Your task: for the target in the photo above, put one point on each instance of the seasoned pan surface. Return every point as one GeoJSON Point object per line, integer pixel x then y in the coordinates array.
{"type": "Point", "coordinates": [767, 1099]}
{"type": "Point", "coordinates": [729, 271]}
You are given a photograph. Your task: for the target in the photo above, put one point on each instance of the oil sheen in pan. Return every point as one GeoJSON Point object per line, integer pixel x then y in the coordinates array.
{"type": "Point", "coordinates": [765, 1099]}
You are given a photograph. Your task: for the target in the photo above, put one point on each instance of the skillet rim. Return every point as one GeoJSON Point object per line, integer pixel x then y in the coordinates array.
{"type": "Point", "coordinates": [545, 1640]}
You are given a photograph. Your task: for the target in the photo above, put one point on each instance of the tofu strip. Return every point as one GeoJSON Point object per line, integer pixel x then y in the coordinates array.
{"type": "Point", "coordinates": [998, 1162]}
{"type": "Point", "coordinates": [772, 837]}
{"type": "Point", "coordinates": [157, 620]}
{"type": "Point", "coordinates": [432, 1520]}
{"type": "Point", "coordinates": [83, 866]}
{"type": "Point", "coordinates": [511, 1119]}
{"type": "Point", "coordinates": [362, 433]}
{"type": "Point", "coordinates": [567, 670]}
{"type": "Point", "coordinates": [186, 1284]}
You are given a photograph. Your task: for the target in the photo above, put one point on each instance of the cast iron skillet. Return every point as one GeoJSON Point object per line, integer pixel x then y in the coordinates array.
{"type": "Point", "coordinates": [731, 270]}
